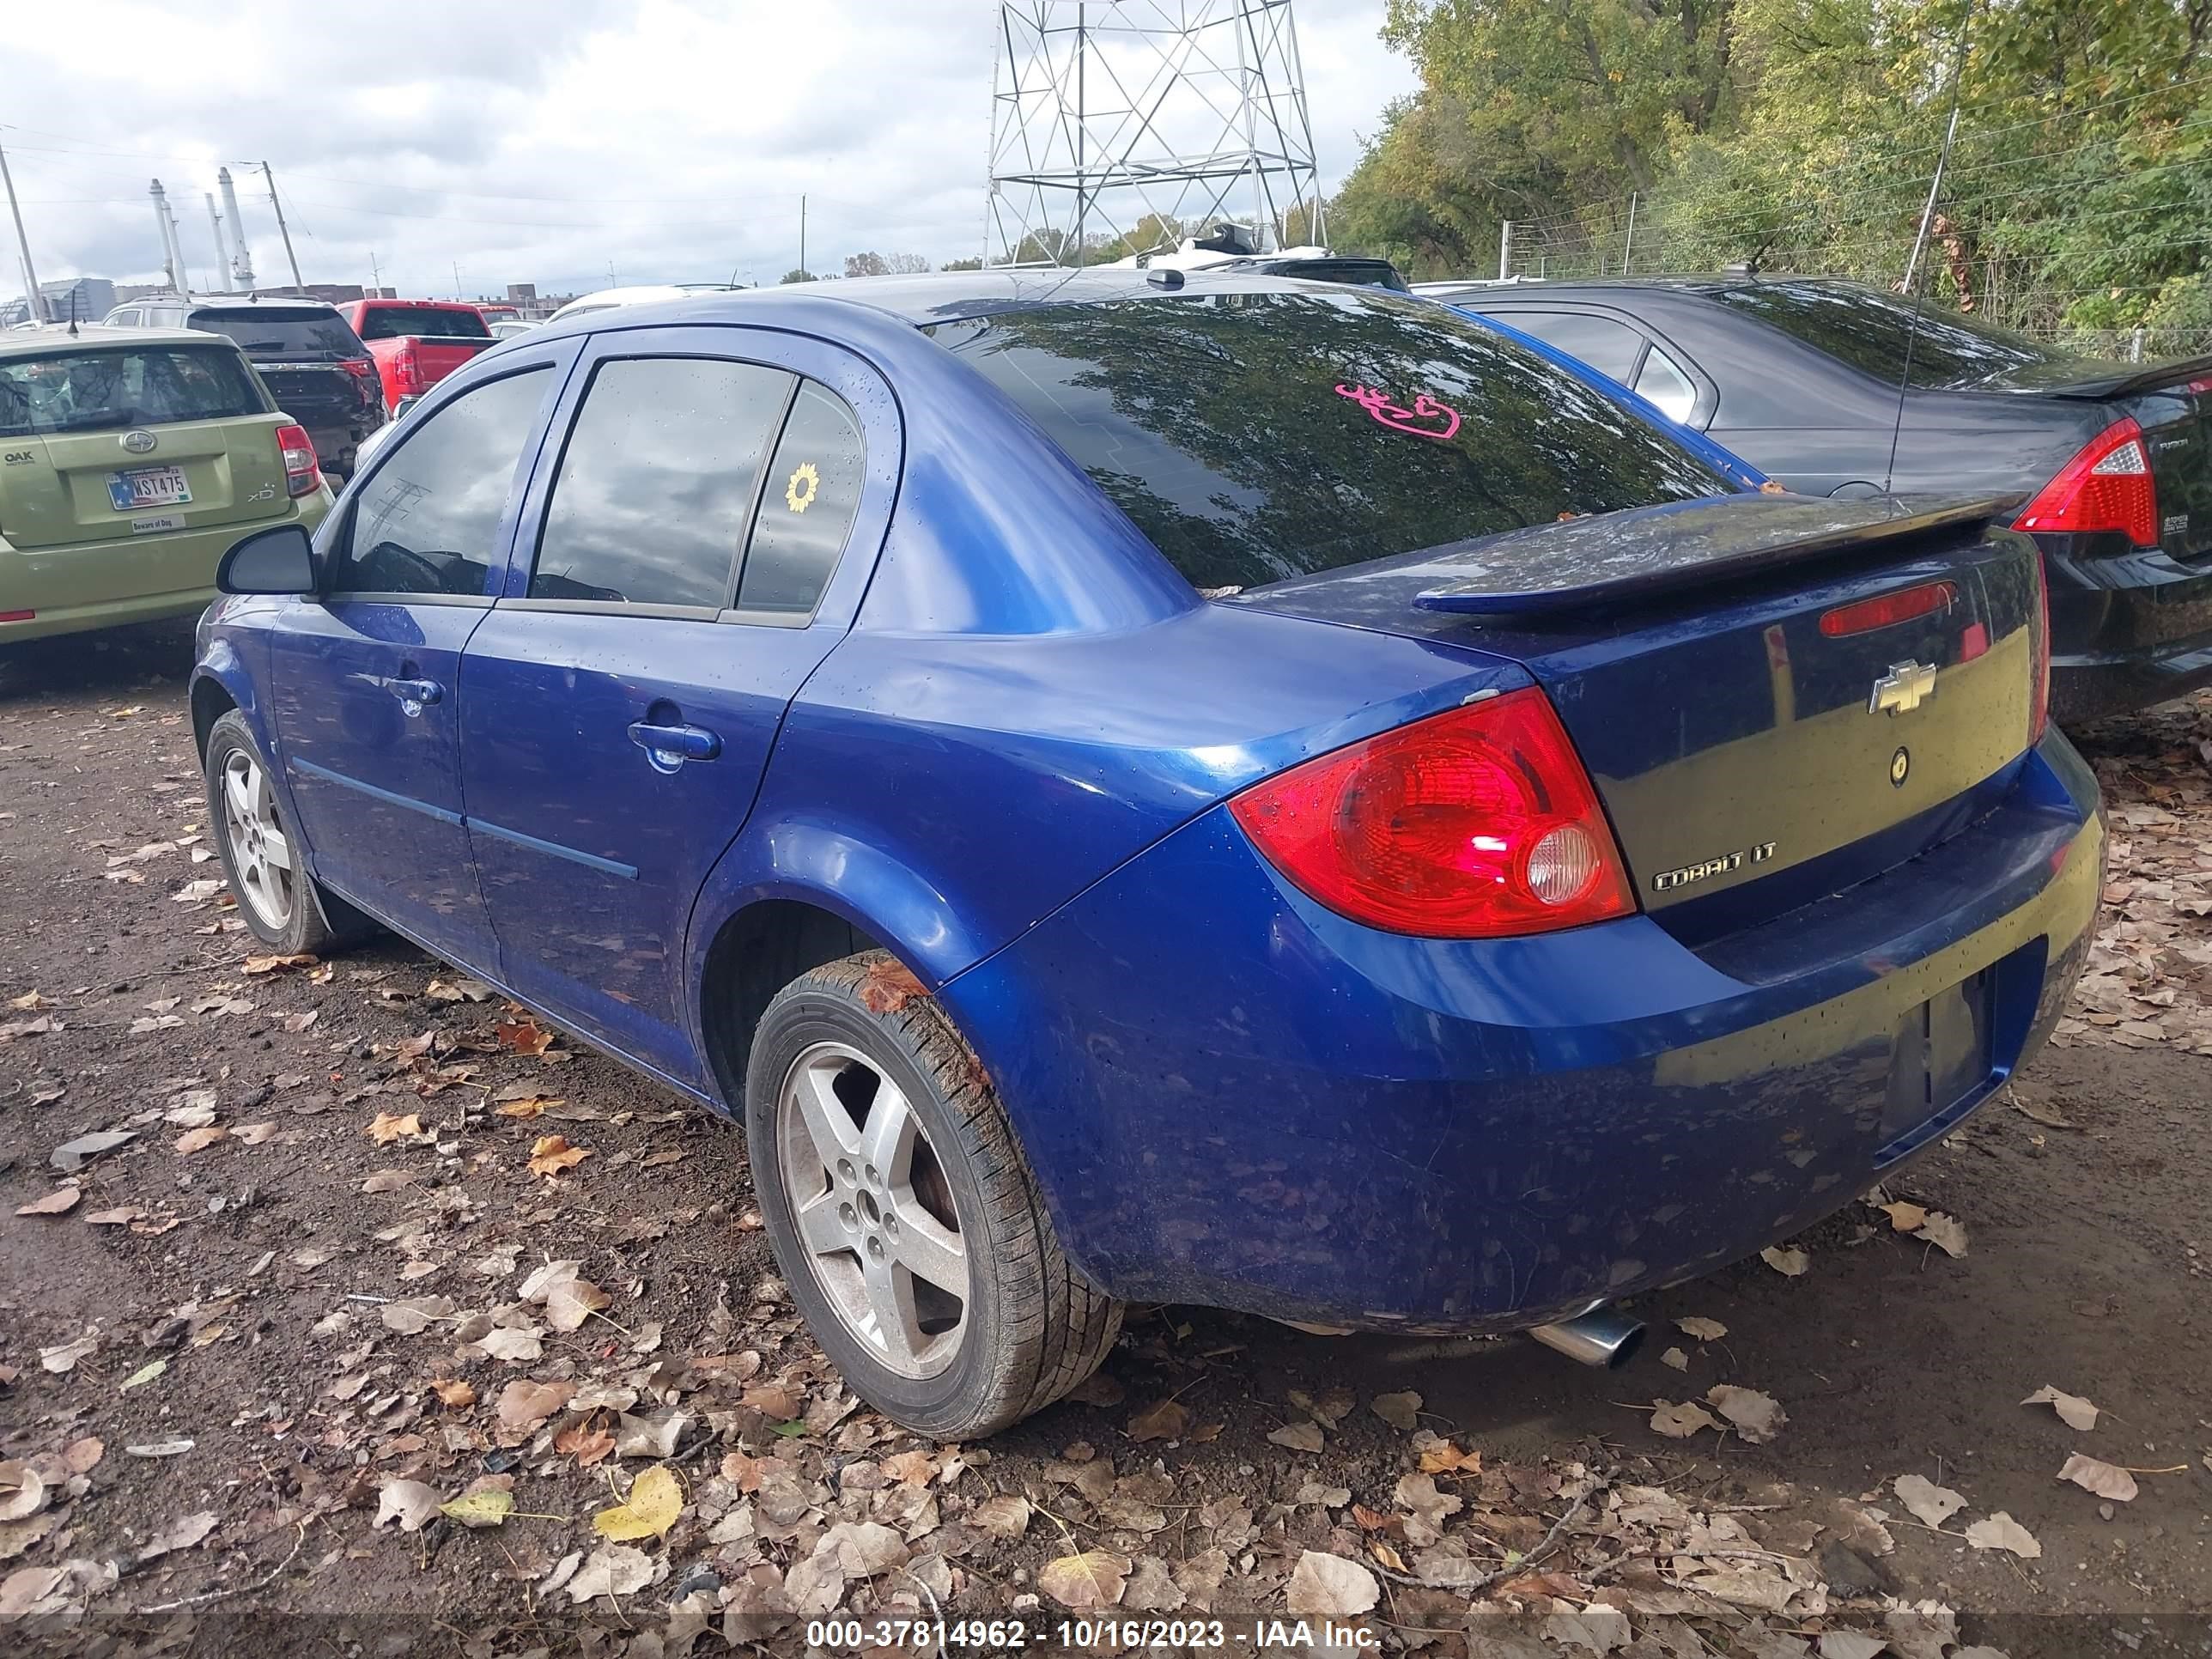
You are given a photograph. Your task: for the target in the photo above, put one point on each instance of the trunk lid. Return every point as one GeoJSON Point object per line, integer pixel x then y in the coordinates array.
{"type": "Point", "coordinates": [65, 493]}
{"type": "Point", "coordinates": [1730, 735]}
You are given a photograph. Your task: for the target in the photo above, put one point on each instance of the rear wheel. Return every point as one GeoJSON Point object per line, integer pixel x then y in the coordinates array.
{"type": "Point", "coordinates": [277, 899]}
{"type": "Point", "coordinates": [904, 1216]}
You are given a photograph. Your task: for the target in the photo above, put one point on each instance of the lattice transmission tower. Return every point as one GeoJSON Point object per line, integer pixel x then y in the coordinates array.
{"type": "Point", "coordinates": [1115, 117]}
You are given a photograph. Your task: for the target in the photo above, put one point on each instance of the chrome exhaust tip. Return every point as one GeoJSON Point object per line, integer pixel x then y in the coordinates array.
{"type": "Point", "coordinates": [1599, 1335]}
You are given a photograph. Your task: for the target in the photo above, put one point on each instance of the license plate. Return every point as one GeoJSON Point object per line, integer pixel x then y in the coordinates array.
{"type": "Point", "coordinates": [148, 486]}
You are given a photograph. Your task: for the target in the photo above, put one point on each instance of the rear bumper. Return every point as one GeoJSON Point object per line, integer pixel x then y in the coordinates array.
{"type": "Point", "coordinates": [2126, 633]}
{"type": "Point", "coordinates": [73, 590]}
{"type": "Point", "coordinates": [1233, 1098]}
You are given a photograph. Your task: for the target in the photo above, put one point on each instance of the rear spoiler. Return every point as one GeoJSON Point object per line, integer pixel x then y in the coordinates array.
{"type": "Point", "coordinates": [1648, 553]}
{"type": "Point", "coordinates": [2125, 379]}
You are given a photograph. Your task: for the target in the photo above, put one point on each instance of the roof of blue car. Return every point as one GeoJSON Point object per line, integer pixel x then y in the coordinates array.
{"type": "Point", "coordinates": [951, 296]}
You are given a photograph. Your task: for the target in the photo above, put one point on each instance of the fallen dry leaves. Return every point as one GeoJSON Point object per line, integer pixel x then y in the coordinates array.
{"type": "Point", "coordinates": [2107, 1481]}
{"type": "Point", "coordinates": [552, 1154]}
{"type": "Point", "coordinates": [655, 1500]}
{"type": "Point", "coordinates": [2075, 1411]}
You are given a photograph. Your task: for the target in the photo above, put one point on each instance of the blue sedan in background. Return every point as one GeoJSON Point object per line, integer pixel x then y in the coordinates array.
{"type": "Point", "coordinates": [1227, 790]}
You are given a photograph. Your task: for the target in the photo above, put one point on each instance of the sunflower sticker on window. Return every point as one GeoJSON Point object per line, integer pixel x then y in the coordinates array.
{"type": "Point", "coordinates": [801, 487]}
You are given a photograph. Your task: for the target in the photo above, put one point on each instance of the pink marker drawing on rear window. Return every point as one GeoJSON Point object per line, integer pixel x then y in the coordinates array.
{"type": "Point", "coordinates": [1398, 419]}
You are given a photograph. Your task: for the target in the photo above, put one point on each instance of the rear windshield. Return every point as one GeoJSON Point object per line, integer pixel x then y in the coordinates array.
{"type": "Point", "coordinates": [420, 323]}
{"type": "Point", "coordinates": [1255, 437]}
{"type": "Point", "coordinates": [282, 332]}
{"type": "Point", "coordinates": [95, 391]}
{"type": "Point", "coordinates": [1869, 330]}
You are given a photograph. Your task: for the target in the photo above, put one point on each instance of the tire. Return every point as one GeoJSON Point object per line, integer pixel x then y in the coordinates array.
{"type": "Point", "coordinates": [307, 920]}
{"type": "Point", "coordinates": [1028, 1329]}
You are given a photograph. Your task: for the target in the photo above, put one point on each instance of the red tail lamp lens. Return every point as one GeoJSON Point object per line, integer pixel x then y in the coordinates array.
{"type": "Point", "coordinates": [1476, 824]}
{"type": "Point", "coordinates": [2106, 487]}
{"type": "Point", "coordinates": [1887, 609]}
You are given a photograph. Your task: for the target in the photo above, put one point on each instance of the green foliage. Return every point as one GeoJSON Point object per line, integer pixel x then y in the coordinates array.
{"type": "Point", "coordinates": [1803, 135]}
{"type": "Point", "coordinates": [796, 275]}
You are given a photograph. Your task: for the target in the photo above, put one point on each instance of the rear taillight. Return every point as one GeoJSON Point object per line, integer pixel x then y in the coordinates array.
{"type": "Point", "coordinates": [2107, 486]}
{"type": "Point", "coordinates": [406, 369]}
{"type": "Point", "coordinates": [361, 368]}
{"type": "Point", "coordinates": [1476, 824]}
{"type": "Point", "coordinates": [2039, 708]}
{"type": "Point", "coordinates": [302, 473]}
{"type": "Point", "coordinates": [18, 616]}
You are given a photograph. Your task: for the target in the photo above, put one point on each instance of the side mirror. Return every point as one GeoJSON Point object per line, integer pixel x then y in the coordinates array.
{"type": "Point", "coordinates": [278, 560]}
{"type": "Point", "coordinates": [399, 409]}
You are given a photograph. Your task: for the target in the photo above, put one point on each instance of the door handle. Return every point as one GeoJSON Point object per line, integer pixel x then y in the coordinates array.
{"type": "Point", "coordinates": [669, 746]}
{"type": "Point", "coordinates": [420, 694]}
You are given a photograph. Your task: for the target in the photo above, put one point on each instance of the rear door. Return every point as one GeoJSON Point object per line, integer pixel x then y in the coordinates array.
{"type": "Point", "coordinates": [682, 568]}
{"type": "Point", "coordinates": [364, 679]}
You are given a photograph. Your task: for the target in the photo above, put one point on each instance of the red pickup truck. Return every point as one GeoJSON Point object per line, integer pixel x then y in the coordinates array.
{"type": "Point", "coordinates": [417, 343]}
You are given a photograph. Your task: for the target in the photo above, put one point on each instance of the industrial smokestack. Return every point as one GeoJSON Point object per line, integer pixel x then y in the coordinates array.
{"type": "Point", "coordinates": [215, 223]}
{"type": "Point", "coordinates": [160, 217]}
{"type": "Point", "coordinates": [241, 258]}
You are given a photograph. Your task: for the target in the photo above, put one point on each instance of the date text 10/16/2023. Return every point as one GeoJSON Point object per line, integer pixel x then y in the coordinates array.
{"type": "Point", "coordinates": [1007, 1635]}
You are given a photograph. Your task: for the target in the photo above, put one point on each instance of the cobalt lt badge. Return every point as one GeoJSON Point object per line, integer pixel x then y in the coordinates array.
{"type": "Point", "coordinates": [1901, 764]}
{"type": "Point", "coordinates": [138, 442]}
{"type": "Point", "coordinates": [1904, 688]}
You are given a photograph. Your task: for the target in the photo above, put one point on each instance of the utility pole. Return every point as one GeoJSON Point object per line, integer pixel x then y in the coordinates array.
{"type": "Point", "coordinates": [1628, 248]}
{"type": "Point", "coordinates": [456, 279]}
{"type": "Point", "coordinates": [1504, 249]}
{"type": "Point", "coordinates": [802, 231]}
{"type": "Point", "coordinates": [31, 294]}
{"type": "Point", "coordinates": [284, 230]}
{"type": "Point", "coordinates": [375, 275]}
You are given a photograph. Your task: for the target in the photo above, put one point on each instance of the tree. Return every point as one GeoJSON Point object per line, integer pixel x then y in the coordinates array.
{"type": "Point", "coordinates": [970, 264]}
{"type": "Point", "coordinates": [866, 265]}
{"type": "Point", "coordinates": [796, 275]}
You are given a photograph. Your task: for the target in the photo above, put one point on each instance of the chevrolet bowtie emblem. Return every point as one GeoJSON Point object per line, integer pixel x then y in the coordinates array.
{"type": "Point", "coordinates": [1904, 688]}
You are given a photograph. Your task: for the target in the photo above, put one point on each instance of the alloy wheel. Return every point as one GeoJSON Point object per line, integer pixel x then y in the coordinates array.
{"type": "Point", "coordinates": [260, 850]}
{"type": "Point", "coordinates": [873, 1209]}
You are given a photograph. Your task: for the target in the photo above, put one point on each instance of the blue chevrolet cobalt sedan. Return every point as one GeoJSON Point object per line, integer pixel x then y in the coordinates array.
{"type": "Point", "coordinates": [1132, 787]}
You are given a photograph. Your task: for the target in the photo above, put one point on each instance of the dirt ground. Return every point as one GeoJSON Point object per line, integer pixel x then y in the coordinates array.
{"type": "Point", "coordinates": [240, 1371]}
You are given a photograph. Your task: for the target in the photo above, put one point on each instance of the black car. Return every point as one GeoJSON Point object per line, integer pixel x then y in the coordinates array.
{"type": "Point", "coordinates": [309, 356]}
{"type": "Point", "coordinates": [2110, 462]}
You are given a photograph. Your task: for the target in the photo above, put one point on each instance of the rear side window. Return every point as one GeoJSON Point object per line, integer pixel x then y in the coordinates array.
{"type": "Point", "coordinates": [806, 511]}
{"type": "Point", "coordinates": [282, 332]}
{"type": "Point", "coordinates": [1664, 385]}
{"type": "Point", "coordinates": [95, 391]}
{"type": "Point", "coordinates": [1869, 330]}
{"type": "Point", "coordinates": [428, 520]}
{"type": "Point", "coordinates": [1258, 437]}
{"type": "Point", "coordinates": [1607, 346]}
{"type": "Point", "coordinates": [657, 481]}
{"type": "Point", "coordinates": [422, 323]}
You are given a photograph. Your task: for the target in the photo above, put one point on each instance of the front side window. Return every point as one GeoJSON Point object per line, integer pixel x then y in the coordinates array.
{"type": "Point", "coordinates": [427, 521]}
{"type": "Point", "coordinates": [806, 511]}
{"type": "Point", "coordinates": [1255, 437]}
{"type": "Point", "coordinates": [101, 390]}
{"type": "Point", "coordinates": [657, 481]}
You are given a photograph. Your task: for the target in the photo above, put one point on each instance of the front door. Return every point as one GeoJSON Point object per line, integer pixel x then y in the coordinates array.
{"type": "Point", "coordinates": [365, 678]}
{"type": "Point", "coordinates": [671, 590]}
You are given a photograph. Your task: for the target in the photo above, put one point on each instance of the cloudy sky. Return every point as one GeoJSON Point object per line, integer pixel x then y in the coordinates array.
{"type": "Point", "coordinates": [651, 140]}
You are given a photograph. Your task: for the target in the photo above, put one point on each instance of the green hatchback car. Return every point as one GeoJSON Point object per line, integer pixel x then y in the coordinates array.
{"type": "Point", "coordinates": [130, 460]}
